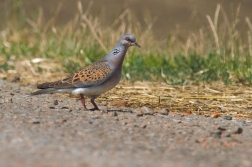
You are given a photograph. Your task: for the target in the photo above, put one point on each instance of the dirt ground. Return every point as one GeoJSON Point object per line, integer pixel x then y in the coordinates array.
{"type": "Point", "coordinates": [54, 130]}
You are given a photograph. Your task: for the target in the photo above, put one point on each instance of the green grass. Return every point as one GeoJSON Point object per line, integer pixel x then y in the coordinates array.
{"type": "Point", "coordinates": [211, 55]}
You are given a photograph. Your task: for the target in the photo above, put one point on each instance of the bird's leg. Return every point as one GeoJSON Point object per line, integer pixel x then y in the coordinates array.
{"type": "Point", "coordinates": [95, 106]}
{"type": "Point", "coordinates": [82, 99]}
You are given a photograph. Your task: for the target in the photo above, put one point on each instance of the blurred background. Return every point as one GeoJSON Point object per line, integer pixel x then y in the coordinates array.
{"type": "Point", "coordinates": [167, 16]}
{"type": "Point", "coordinates": [183, 41]}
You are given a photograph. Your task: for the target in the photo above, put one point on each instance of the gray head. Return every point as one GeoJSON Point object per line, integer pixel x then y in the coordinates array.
{"type": "Point", "coordinates": [128, 40]}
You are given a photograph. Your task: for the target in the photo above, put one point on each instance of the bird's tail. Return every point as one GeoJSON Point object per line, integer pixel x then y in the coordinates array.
{"type": "Point", "coordinates": [52, 90]}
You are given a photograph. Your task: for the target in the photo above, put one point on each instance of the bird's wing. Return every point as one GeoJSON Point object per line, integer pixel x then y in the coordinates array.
{"type": "Point", "coordinates": [92, 75]}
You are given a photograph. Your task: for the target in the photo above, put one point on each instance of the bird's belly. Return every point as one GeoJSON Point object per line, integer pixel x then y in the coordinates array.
{"type": "Point", "coordinates": [99, 89]}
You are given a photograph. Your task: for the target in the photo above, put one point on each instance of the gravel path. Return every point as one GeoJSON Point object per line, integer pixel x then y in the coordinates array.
{"type": "Point", "coordinates": [52, 130]}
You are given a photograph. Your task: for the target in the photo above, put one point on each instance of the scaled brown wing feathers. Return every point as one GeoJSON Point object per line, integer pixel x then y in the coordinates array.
{"type": "Point", "coordinates": [92, 75]}
{"type": "Point", "coordinates": [64, 83]}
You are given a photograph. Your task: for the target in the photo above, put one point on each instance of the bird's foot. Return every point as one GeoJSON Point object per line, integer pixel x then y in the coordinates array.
{"type": "Point", "coordinates": [95, 106]}
{"type": "Point", "coordinates": [93, 109]}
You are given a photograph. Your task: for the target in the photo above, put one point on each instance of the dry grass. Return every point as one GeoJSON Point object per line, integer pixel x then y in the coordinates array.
{"type": "Point", "coordinates": [205, 100]}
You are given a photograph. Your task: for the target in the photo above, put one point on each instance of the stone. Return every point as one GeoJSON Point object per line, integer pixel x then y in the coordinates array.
{"type": "Point", "coordinates": [238, 130]}
{"type": "Point", "coordinates": [227, 117]}
{"type": "Point", "coordinates": [55, 102]}
{"type": "Point", "coordinates": [163, 111]}
{"type": "Point", "coordinates": [138, 112]}
{"type": "Point", "coordinates": [113, 114]}
{"type": "Point", "coordinates": [216, 134]}
{"type": "Point", "coordinates": [147, 111]}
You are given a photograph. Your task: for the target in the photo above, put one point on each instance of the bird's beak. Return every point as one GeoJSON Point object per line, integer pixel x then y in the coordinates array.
{"type": "Point", "coordinates": [136, 44]}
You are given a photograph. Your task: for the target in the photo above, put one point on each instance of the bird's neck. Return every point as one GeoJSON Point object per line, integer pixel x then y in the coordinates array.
{"type": "Point", "coordinates": [117, 55]}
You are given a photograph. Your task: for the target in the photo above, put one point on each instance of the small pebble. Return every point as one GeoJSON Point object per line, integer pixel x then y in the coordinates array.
{"type": "Point", "coordinates": [238, 130]}
{"type": "Point", "coordinates": [135, 125]}
{"type": "Point", "coordinates": [124, 123]}
{"type": "Point", "coordinates": [177, 121]}
{"type": "Point", "coordinates": [33, 121]}
{"type": "Point", "coordinates": [138, 112]}
{"type": "Point", "coordinates": [15, 78]}
{"type": "Point", "coordinates": [55, 102]}
{"type": "Point", "coordinates": [227, 135]}
{"type": "Point", "coordinates": [227, 117]}
{"type": "Point", "coordinates": [143, 125]}
{"type": "Point", "coordinates": [113, 114]}
{"type": "Point", "coordinates": [104, 111]}
{"type": "Point", "coordinates": [62, 121]}
{"type": "Point", "coordinates": [163, 111]}
{"type": "Point", "coordinates": [64, 108]}
{"type": "Point", "coordinates": [187, 113]}
{"type": "Point", "coordinates": [216, 134]}
{"type": "Point", "coordinates": [95, 117]}
{"type": "Point", "coordinates": [215, 115]}
{"type": "Point", "coordinates": [147, 110]}
{"type": "Point", "coordinates": [241, 122]}
{"type": "Point", "coordinates": [221, 128]}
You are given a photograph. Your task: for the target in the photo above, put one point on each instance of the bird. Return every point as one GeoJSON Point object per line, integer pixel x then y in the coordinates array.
{"type": "Point", "coordinates": [96, 78]}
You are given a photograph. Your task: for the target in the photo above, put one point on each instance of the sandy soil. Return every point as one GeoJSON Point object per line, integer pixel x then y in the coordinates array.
{"type": "Point", "coordinates": [52, 130]}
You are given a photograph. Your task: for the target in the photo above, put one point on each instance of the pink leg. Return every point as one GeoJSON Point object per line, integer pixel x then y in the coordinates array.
{"type": "Point", "coordinates": [95, 106]}
{"type": "Point", "coordinates": [82, 101]}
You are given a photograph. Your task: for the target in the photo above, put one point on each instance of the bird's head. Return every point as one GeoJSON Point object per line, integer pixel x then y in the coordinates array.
{"type": "Point", "coordinates": [129, 40]}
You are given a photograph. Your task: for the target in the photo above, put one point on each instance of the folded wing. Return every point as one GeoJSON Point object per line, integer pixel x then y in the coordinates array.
{"type": "Point", "coordinates": [92, 75]}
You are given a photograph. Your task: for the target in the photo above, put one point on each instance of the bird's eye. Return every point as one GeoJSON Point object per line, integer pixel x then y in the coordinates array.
{"type": "Point", "coordinates": [127, 39]}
